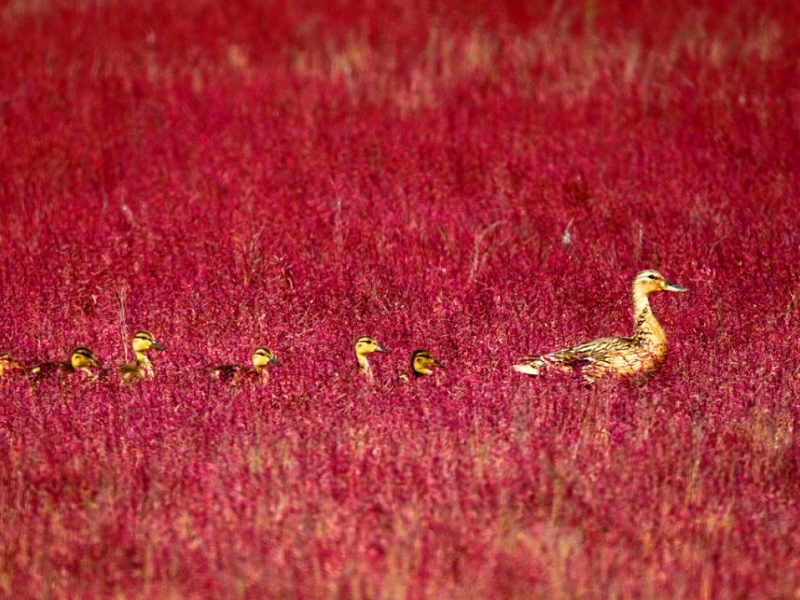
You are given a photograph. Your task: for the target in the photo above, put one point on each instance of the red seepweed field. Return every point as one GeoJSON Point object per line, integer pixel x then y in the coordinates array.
{"type": "Point", "coordinates": [482, 180]}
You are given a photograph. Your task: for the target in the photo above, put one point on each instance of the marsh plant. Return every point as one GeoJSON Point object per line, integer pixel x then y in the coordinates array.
{"type": "Point", "coordinates": [478, 182]}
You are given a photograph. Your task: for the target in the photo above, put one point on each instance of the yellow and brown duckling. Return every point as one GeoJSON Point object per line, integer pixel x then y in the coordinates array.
{"type": "Point", "coordinates": [364, 346]}
{"type": "Point", "coordinates": [422, 363]}
{"type": "Point", "coordinates": [142, 368]}
{"type": "Point", "coordinates": [616, 356]}
{"type": "Point", "coordinates": [80, 362]}
{"type": "Point", "coordinates": [257, 373]}
{"type": "Point", "coordinates": [8, 364]}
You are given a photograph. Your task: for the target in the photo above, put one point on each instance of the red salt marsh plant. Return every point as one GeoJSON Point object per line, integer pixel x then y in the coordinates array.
{"type": "Point", "coordinates": [481, 185]}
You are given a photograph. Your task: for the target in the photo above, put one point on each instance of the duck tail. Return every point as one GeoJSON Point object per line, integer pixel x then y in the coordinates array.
{"type": "Point", "coordinates": [530, 365]}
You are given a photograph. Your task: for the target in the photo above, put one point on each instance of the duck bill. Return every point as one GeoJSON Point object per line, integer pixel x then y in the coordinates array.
{"type": "Point", "coordinates": [273, 361]}
{"type": "Point", "coordinates": [436, 363]}
{"type": "Point", "coordinates": [380, 348]}
{"type": "Point", "coordinates": [672, 287]}
{"type": "Point", "coordinates": [157, 346]}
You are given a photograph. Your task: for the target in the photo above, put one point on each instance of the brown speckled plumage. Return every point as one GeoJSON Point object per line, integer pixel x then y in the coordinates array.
{"type": "Point", "coordinates": [615, 356]}
{"type": "Point", "coordinates": [8, 364]}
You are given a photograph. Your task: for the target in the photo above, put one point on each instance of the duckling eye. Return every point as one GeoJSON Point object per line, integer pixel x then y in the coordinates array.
{"type": "Point", "coordinates": [651, 276]}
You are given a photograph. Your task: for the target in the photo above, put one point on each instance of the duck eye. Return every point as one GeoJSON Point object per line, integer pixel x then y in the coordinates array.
{"type": "Point", "coordinates": [651, 276]}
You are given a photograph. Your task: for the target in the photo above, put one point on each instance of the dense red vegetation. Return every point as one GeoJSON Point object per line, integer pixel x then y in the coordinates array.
{"type": "Point", "coordinates": [238, 174]}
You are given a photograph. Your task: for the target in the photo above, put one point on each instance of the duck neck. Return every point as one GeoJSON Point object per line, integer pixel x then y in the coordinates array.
{"type": "Point", "coordinates": [144, 363]}
{"type": "Point", "coordinates": [646, 331]}
{"type": "Point", "coordinates": [261, 372]}
{"type": "Point", "coordinates": [363, 364]}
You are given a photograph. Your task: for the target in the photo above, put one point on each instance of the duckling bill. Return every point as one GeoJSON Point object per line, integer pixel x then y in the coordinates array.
{"type": "Point", "coordinates": [643, 353]}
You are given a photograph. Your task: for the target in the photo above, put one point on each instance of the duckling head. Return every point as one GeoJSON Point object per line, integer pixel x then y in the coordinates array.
{"type": "Point", "coordinates": [422, 361]}
{"type": "Point", "coordinates": [144, 341]}
{"type": "Point", "coordinates": [366, 345]}
{"type": "Point", "coordinates": [649, 281]}
{"type": "Point", "coordinates": [263, 357]}
{"type": "Point", "coordinates": [82, 357]}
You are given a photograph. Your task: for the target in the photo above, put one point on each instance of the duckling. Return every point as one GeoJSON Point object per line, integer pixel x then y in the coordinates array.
{"type": "Point", "coordinates": [366, 345]}
{"type": "Point", "coordinates": [616, 356]}
{"type": "Point", "coordinates": [143, 342]}
{"type": "Point", "coordinates": [79, 362]}
{"type": "Point", "coordinates": [262, 357]}
{"type": "Point", "coordinates": [8, 363]}
{"type": "Point", "coordinates": [421, 363]}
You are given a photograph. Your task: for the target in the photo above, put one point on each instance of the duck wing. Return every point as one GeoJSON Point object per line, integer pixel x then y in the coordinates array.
{"type": "Point", "coordinates": [227, 372]}
{"type": "Point", "coordinates": [48, 369]}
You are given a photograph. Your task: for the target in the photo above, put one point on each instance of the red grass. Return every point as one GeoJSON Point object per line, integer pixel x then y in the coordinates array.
{"type": "Point", "coordinates": [281, 174]}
